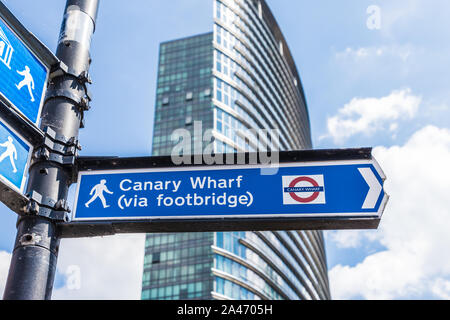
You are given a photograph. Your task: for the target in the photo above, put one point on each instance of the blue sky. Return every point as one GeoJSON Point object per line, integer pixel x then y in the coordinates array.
{"type": "Point", "coordinates": [385, 87]}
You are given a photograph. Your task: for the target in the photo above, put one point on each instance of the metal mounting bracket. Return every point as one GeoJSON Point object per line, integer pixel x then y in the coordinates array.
{"type": "Point", "coordinates": [57, 148]}
{"type": "Point", "coordinates": [61, 69]}
{"type": "Point", "coordinates": [46, 207]}
{"type": "Point", "coordinates": [60, 143]}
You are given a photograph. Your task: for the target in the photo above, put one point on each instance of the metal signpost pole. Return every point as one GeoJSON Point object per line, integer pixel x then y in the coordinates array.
{"type": "Point", "coordinates": [33, 263]}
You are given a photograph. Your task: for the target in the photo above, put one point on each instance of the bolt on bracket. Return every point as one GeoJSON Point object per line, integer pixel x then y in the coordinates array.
{"type": "Point", "coordinates": [46, 207]}
{"type": "Point", "coordinates": [84, 78]}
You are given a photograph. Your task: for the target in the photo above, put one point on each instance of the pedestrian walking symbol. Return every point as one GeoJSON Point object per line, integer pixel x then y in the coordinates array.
{"type": "Point", "coordinates": [10, 152]}
{"type": "Point", "coordinates": [24, 75]}
{"type": "Point", "coordinates": [27, 81]}
{"type": "Point", "coordinates": [97, 192]}
{"type": "Point", "coordinates": [15, 153]}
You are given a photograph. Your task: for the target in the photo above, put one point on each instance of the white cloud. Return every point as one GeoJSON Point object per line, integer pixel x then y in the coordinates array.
{"type": "Point", "coordinates": [110, 267]}
{"type": "Point", "coordinates": [5, 259]}
{"type": "Point", "coordinates": [364, 54]}
{"type": "Point", "coordinates": [441, 289]}
{"type": "Point", "coordinates": [347, 239]}
{"type": "Point", "coordinates": [368, 115]}
{"type": "Point", "coordinates": [414, 227]}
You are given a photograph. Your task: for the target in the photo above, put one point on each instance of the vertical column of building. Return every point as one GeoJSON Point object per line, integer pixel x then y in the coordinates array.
{"type": "Point", "coordinates": [178, 266]}
{"type": "Point", "coordinates": [256, 86]}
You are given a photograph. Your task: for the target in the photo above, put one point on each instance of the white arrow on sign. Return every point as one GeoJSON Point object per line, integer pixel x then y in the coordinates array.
{"type": "Point", "coordinates": [375, 188]}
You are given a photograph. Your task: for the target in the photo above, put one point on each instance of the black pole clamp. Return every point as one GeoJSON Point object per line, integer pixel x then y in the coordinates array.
{"type": "Point", "coordinates": [45, 207]}
{"type": "Point", "coordinates": [57, 148]}
{"type": "Point", "coordinates": [61, 69]}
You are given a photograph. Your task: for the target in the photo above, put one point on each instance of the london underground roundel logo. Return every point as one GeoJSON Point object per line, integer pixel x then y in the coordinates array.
{"type": "Point", "coordinates": [303, 190]}
{"type": "Point", "coordinates": [314, 184]}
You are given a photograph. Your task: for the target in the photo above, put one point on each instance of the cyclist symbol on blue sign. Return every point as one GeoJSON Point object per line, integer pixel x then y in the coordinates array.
{"type": "Point", "coordinates": [27, 81]}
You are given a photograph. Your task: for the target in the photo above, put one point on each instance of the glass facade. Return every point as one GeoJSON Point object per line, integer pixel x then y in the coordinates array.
{"type": "Point", "coordinates": [239, 77]}
{"type": "Point", "coordinates": [184, 89]}
{"type": "Point", "coordinates": [179, 266]}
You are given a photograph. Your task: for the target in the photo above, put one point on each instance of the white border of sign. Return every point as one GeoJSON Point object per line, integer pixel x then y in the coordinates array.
{"type": "Point", "coordinates": [237, 167]}
{"type": "Point", "coordinates": [30, 153]}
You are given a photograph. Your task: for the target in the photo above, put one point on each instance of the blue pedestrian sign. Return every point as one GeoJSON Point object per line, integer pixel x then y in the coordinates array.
{"type": "Point", "coordinates": [335, 189]}
{"type": "Point", "coordinates": [24, 77]}
{"type": "Point", "coordinates": [15, 153]}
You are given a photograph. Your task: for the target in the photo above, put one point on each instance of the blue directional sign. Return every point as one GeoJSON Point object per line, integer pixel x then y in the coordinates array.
{"type": "Point", "coordinates": [23, 76]}
{"type": "Point", "coordinates": [325, 189]}
{"type": "Point", "coordinates": [15, 155]}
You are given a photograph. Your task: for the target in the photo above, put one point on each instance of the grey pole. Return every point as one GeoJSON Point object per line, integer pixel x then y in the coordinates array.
{"type": "Point", "coordinates": [33, 263]}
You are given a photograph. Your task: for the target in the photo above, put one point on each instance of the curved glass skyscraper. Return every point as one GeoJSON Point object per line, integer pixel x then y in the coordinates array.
{"type": "Point", "coordinates": [242, 76]}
